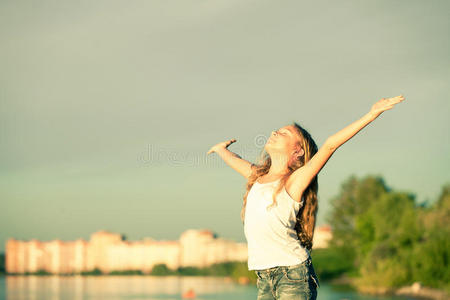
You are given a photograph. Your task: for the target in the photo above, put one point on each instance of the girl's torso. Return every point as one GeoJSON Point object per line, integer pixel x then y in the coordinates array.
{"type": "Point", "coordinates": [271, 237]}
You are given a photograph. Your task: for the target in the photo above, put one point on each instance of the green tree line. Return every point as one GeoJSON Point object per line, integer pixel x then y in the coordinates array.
{"type": "Point", "coordinates": [383, 238]}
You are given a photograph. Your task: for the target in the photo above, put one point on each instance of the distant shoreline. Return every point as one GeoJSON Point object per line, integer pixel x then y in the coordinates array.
{"type": "Point", "coordinates": [415, 290]}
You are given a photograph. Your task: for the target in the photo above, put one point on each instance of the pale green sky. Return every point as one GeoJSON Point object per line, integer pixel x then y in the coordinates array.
{"type": "Point", "coordinates": [90, 88]}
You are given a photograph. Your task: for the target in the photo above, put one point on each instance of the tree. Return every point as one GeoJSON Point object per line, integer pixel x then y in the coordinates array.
{"type": "Point", "coordinates": [353, 200]}
{"type": "Point", "coordinates": [392, 240]}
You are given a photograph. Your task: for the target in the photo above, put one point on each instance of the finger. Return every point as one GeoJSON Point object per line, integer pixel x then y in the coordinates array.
{"type": "Point", "coordinates": [395, 100]}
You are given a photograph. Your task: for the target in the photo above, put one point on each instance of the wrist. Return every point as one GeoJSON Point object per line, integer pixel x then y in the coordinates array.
{"type": "Point", "coordinates": [372, 115]}
{"type": "Point", "coordinates": [222, 150]}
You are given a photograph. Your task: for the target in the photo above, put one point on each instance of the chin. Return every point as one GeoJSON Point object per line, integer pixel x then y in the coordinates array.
{"type": "Point", "coordinates": [269, 145]}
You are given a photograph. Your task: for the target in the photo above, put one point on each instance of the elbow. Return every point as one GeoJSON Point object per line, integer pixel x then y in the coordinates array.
{"type": "Point", "coordinates": [330, 144]}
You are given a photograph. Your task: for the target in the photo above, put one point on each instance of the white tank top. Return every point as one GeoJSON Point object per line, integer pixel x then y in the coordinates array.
{"type": "Point", "coordinates": [271, 238]}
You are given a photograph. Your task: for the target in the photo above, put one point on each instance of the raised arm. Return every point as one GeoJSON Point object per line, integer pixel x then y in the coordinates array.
{"type": "Point", "coordinates": [301, 178]}
{"type": "Point", "coordinates": [239, 164]}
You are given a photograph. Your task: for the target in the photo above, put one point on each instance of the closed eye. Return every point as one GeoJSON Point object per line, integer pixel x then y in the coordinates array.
{"type": "Point", "coordinates": [281, 132]}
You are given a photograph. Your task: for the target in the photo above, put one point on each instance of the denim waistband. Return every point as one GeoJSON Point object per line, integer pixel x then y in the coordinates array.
{"type": "Point", "coordinates": [306, 262]}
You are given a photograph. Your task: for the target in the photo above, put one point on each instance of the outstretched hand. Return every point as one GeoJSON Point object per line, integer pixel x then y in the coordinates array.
{"type": "Point", "coordinates": [221, 145]}
{"type": "Point", "coordinates": [385, 104]}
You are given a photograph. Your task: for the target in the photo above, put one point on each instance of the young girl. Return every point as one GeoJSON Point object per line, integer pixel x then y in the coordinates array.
{"type": "Point", "coordinates": [280, 204]}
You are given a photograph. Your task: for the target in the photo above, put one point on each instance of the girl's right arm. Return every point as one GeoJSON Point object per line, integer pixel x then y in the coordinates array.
{"type": "Point", "coordinates": [242, 166]}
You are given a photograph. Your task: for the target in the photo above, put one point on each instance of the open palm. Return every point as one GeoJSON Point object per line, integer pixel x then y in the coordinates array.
{"type": "Point", "coordinates": [385, 104]}
{"type": "Point", "coordinates": [221, 145]}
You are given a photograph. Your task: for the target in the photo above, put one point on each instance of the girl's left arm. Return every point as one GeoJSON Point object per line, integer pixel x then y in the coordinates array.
{"type": "Point", "coordinates": [303, 176]}
{"type": "Point", "coordinates": [339, 138]}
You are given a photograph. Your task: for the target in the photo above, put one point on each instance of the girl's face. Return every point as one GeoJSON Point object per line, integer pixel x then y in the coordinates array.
{"type": "Point", "coordinates": [282, 140]}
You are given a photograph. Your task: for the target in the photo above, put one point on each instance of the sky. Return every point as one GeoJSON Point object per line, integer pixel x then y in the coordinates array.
{"type": "Point", "coordinates": [107, 108]}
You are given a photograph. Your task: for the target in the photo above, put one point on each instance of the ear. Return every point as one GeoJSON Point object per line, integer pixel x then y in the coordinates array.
{"type": "Point", "coordinates": [299, 152]}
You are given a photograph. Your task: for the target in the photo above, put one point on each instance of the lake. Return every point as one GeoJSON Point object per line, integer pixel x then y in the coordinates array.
{"type": "Point", "coordinates": [145, 287]}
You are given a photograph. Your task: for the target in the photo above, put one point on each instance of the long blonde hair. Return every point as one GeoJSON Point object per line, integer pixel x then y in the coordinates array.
{"type": "Point", "coordinates": [306, 216]}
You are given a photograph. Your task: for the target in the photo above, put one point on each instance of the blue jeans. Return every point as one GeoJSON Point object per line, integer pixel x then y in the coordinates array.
{"type": "Point", "coordinates": [288, 282]}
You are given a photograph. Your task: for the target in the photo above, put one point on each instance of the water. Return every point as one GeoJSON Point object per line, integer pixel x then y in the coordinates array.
{"type": "Point", "coordinates": [144, 287]}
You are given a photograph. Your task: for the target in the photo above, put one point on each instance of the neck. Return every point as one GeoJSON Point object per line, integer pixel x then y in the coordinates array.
{"type": "Point", "coordinates": [277, 168]}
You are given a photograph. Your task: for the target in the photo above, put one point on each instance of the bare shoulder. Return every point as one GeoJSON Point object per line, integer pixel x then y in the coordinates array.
{"type": "Point", "coordinates": [252, 169]}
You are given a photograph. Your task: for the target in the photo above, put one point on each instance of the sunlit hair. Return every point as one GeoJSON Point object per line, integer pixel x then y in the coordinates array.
{"type": "Point", "coordinates": [306, 216]}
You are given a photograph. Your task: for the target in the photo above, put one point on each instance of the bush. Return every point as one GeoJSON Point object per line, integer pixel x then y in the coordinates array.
{"type": "Point", "coordinates": [332, 262]}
